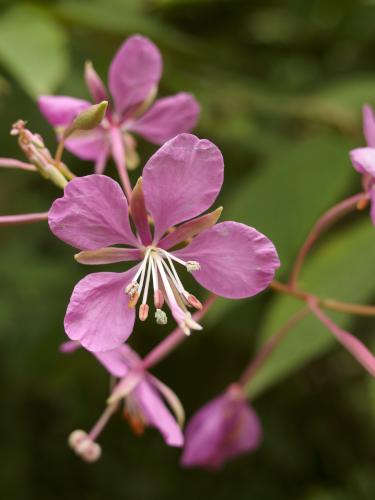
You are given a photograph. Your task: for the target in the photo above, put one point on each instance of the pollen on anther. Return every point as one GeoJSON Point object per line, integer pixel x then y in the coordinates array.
{"type": "Point", "coordinates": [161, 317]}
{"type": "Point", "coordinates": [192, 265]}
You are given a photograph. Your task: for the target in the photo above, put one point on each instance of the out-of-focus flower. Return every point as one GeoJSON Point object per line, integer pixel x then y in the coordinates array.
{"type": "Point", "coordinates": [143, 396]}
{"type": "Point", "coordinates": [363, 159]}
{"type": "Point", "coordinates": [222, 429]}
{"type": "Point", "coordinates": [133, 79]}
{"type": "Point", "coordinates": [179, 182]}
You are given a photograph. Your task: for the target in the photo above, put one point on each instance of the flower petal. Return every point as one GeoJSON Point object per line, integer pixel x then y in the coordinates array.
{"type": "Point", "coordinates": [369, 125]}
{"type": "Point", "coordinates": [139, 213]}
{"type": "Point", "coordinates": [108, 255]}
{"type": "Point", "coordinates": [93, 213]}
{"type": "Point", "coordinates": [157, 414]}
{"type": "Point", "coordinates": [190, 229]}
{"type": "Point", "coordinates": [95, 84]}
{"type": "Point", "coordinates": [372, 210]}
{"type": "Point", "coordinates": [356, 348]}
{"type": "Point", "coordinates": [182, 180]}
{"type": "Point", "coordinates": [167, 118]}
{"type": "Point", "coordinates": [90, 145]}
{"type": "Point", "coordinates": [363, 160]}
{"type": "Point", "coordinates": [134, 71]}
{"type": "Point", "coordinates": [117, 361]}
{"type": "Point", "coordinates": [98, 315]}
{"type": "Point", "coordinates": [61, 110]}
{"type": "Point", "coordinates": [236, 260]}
{"type": "Point", "coordinates": [222, 429]}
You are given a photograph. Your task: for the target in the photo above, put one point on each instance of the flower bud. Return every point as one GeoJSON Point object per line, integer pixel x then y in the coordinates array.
{"type": "Point", "coordinates": [224, 428]}
{"type": "Point", "coordinates": [87, 119]}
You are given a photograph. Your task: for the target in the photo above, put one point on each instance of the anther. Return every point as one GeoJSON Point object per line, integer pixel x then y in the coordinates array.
{"type": "Point", "coordinates": [132, 288]}
{"type": "Point", "coordinates": [158, 299]}
{"type": "Point", "coordinates": [192, 265]}
{"type": "Point", "coordinates": [133, 300]}
{"type": "Point", "coordinates": [161, 317]}
{"type": "Point", "coordinates": [84, 446]}
{"type": "Point", "coordinates": [143, 312]}
{"type": "Point", "coordinates": [193, 301]}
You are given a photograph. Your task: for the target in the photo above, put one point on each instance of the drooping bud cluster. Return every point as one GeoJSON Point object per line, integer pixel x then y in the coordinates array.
{"type": "Point", "coordinates": [34, 149]}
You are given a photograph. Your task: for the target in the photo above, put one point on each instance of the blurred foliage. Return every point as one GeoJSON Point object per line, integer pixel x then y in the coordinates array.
{"type": "Point", "coordinates": [281, 85]}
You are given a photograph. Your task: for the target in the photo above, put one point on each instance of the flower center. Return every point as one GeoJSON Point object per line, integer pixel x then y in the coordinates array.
{"type": "Point", "coordinates": [158, 268]}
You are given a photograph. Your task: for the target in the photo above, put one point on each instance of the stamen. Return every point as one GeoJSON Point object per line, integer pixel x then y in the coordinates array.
{"type": "Point", "coordinates": [132, 288]}
{"type": "Point", "coordinates": [147, 284]}
{"type": "Point", "coordinates": [161, 317]}
{"type": "Point", "coordinates": [158, 299]}
{"type": "Point", "coordinates": [143, 312]}
{"type": "Point", "coordinates": [193, 301]}
{"type": "Point", "coordinates": [133, 300]}
{"type": "Point", "coordinates": [84, 446]}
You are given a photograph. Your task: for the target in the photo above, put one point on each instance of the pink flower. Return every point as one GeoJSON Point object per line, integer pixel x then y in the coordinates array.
{"type": "Point", "coordinates": [144, 395]}
{"type": "Point", "coordinates": [180, 181]}
{"type": "Point", "coordinates": [363, 159]}
{"type": "Point", "coordinates": [134, 75]}
{"type": "Point", "coordinates": [224, 428]}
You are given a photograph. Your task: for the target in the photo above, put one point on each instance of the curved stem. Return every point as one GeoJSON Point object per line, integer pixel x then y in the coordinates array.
{"type": "Point", "coordinates": [267, 349]}
{"type": "Point", "coordinates": [11, 163]}
{"type": "Point", "coordinates": [16, 220]}
{"type": "Point", "coordinates": [58, 157]}
{"type": "Point", "coordinates": [334, 305]}
{"type": "Point", "coordinates": [329, 218]}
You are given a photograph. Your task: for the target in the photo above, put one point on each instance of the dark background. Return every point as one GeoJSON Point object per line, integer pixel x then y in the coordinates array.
{"type": "Point", "coordinates": [281, 85]}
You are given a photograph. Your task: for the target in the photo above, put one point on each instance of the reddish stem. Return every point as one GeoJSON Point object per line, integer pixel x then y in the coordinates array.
{"type": "Point", "coordinates": [16, 220]}
{"type": "Point", "coordinates": [329, 218]}
{"type": "Point", "coordinates": [11, 163]}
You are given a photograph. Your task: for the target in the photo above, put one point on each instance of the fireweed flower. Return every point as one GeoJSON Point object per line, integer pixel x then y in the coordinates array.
{"type": "Point", "coordinates": [222, 429]}
{"type": "Point", "coordinates": [180, 181]}
{"type": "Point", "coordinates": [143, 396]}
{"type": "Point", "coordinates": [133, 78]}
{"type": "Point", "coordinates": [363, 159]}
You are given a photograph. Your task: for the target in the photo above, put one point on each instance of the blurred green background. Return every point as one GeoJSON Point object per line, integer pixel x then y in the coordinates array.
{"type": "Point", "coordinates": [281, 84]}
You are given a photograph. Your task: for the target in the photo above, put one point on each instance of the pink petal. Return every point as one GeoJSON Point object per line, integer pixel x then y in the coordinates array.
{"type": "Point", "coordinates": [93, 213]}
{"type": "Point", "coordinates": [181, 180]}
{"type": "Point", "coordinates": [167, 118]}
{"type": "Point", "coordinates": [90, 145]}
{"type": "Point", "coordinates": [222, 429]}
{"type": "Point", "coordinates": [61, 110]}
{"type": "Point", "coordinates": [363, 160]}
{"type": "Point", "coordinates": [98, 315]}
{"type": "Point", "coordinates": [369, 125]}
{"type": "Point", "coordinates": [134, 72]}
{"type": "Point", "coordinates": [69, 346]}
{"type": "Point", "coordinates": [236, 260]}
{"type": "Point", "coordinates": [358, 350]}
{"type": "Point", "coordinates": [108, 255]}
{"type": "Point", "coordinates": [372, 210]}
{"type": "Point", "coordinates": [157, 414]}
{"type": "Point", "coordinates": [139, 214]}
{"type": "Point", "coordinates": [95, 84]}
{"type": "Point", "coordinates": [117, 361]}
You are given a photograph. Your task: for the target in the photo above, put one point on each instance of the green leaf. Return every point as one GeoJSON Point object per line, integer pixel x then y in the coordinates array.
{"type": "Point", "coordinates": [33, 48]}
{"type": "Point", "coordinates": [287, 194]}
{"type": "Point", "coordinates": [339, 269]}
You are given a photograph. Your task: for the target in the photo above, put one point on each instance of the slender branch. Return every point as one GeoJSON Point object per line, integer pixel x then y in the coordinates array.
{"type": "Point", "coordinates": [16, 220]}
{"type": "Point", "coordinates": [58, 160]}
{"type": "Point", "coordinates": [327, 220]}
{"type": "Point", "coordinates": [267, 349]}
{"type": "Point", "coordinates": [335, 305]}
{"type": "Point", "coordinates": [11, 163]}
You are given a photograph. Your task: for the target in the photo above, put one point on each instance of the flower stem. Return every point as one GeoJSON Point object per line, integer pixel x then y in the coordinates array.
{"type": "Point", "coordinates": [102, 422]}
{"type": "Point", "coordinates": [174, 338]}
{"type": "Point", "coordinates": [335, 305]}
{"type": "Point", "coordinates": [267, 349]}
{"type": "Point", "coordinates": [15, 220]}
{"type": "Point", "coordinates": [58, 157]}
{"type": "Point", "coordinates": [329, 218]}
{"type": "Point", "coordinates": [11, 163]}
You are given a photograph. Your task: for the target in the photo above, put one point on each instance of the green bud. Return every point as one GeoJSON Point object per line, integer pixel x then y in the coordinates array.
{"type": "Point", "coordinates": [87, 119]}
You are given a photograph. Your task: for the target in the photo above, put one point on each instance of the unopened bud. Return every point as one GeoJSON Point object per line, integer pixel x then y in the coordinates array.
{"type": "Point", "coordinates": [161, 317]}
{"type": "Point", "coordinates": [87, 119]}
{"type": "Point", "coordinates": [158, 299]}
{"type": "Point", "coordinates": [143, 312]}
